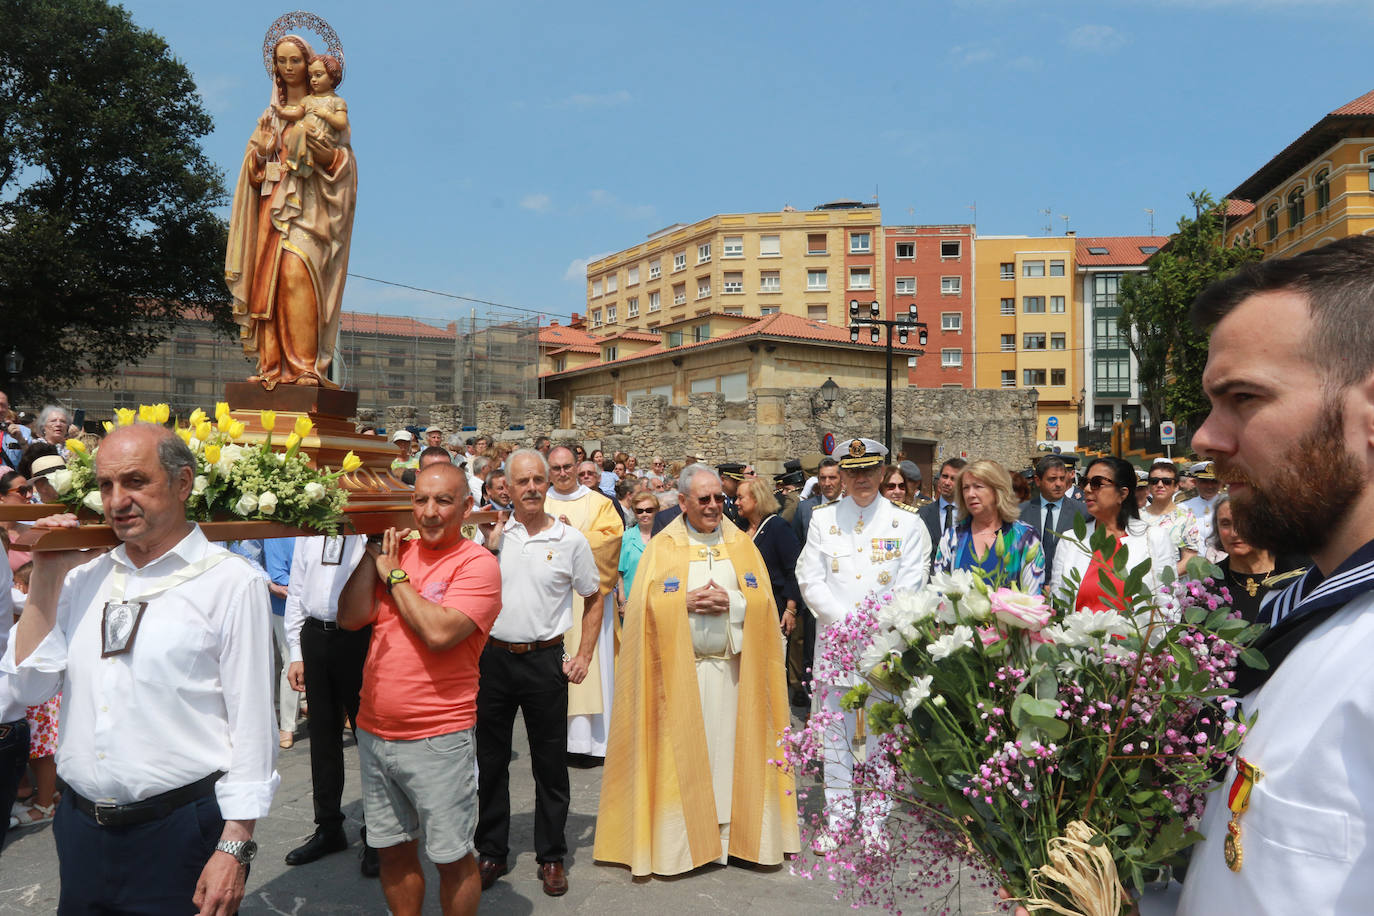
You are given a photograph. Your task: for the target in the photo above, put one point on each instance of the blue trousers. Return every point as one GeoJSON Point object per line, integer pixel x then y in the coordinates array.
{"type": "Point", "coordinates": [14, 758]}
{"type": "Point", "coordinates": [145, 870]}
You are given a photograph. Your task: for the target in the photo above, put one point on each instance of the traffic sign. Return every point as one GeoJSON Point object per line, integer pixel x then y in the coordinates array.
{"type": "Point", "coordinates": [828, 443]}
{"type": "Point", "coordinates": [1168, 435]}
{"type": "Point", "coordinates": [1052, 423]}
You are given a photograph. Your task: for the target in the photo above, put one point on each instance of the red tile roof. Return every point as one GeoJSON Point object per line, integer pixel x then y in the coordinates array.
{"type": "Point", "coordinates": [1122, 250]}
{"type": "Point", "coordinates": [643, 336]}
{"type": "Point", "coordinates": [392, 326]}
{"type": "Point", "coordinates": [791, 327]}
{"type": "Point", "coordinates": [1239, 208]}
{"type": "Point", "coordinates": [575, 348]}
{"type": "Point", "coordinates": [560, 335]}
{"type": "Point", "coordinates": [1364, 105]}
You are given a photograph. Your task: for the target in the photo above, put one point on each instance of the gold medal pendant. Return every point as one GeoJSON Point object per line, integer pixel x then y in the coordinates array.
{"type": "Point", "coordinates": [1238, 800]}
{"type": "Point", "coordinates": [859, 527]}
{"type": "Point", "coordinates": [834, 529]}
{"type": "Point", "coordinates": [884, 577]}
{"type": "Point", "coordinates": [835, 564]}
{"type": "Point", "coordinates": [1231, 847]}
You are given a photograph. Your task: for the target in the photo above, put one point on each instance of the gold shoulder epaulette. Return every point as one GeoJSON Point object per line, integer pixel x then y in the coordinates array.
{"type": "Point", "coordinates": [905, 508]}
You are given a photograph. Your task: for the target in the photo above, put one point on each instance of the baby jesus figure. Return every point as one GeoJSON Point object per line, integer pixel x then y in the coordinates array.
{"type": "Point", "coordinates": [322, 114]}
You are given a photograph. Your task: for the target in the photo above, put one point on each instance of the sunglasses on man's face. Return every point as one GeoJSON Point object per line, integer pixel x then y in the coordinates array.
{"type": "Point", "coordinates": [26, 490]}
{"type": "Point", "coordinates": [1097, 483]}
{"type": "Point", "coordinates": [717, 498]}
{"type": "Point", "coordinates": [1162, 481]}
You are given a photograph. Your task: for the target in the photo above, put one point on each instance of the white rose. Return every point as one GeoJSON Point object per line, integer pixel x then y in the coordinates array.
{"type": "Point", "coordinates": [246, 504]}
{"type": "Point", "coordinates": [228, 457]}
{"type": "Point", "coordinates": [975, 605]}
{"type": "Point", "coordinates": [61, 481]}
{"type": "Point", "coordinates": [267, 502]}
{"type": "Point", "coordinates": [92, 501]}
{"type": "Point", "coordinates": [199, 484]}
{"type": "Point", "coordinates": [314, 492]}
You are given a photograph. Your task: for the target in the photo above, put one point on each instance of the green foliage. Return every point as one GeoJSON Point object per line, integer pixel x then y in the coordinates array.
{"type": "Point", "coordinates": [1154, 311]}
{"type": "Point", "coordinates": [107, 227]}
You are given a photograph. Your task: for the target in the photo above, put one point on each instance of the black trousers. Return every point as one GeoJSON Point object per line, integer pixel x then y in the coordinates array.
{"type": "Point", "coordinates": [145, 870]}
{"type": "Point", "coordinates": [333, 679]}
{"type": "Point", "coordinates": [14, 759]}
{"type": "Point", "coordinates": [534, 684]}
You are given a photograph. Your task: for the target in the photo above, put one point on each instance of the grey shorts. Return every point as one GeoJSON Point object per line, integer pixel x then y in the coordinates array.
{"type": "Point", "coordinates": [426, 786]}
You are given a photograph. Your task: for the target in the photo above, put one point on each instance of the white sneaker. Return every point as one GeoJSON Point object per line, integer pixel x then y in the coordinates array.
{"type": "Point", "coordinates": [824, 844]}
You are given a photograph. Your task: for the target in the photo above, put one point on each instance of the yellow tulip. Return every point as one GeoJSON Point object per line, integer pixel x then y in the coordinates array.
{"type": "Point", "coordinates": [109, 427]}
{"type": "Point", "coordinates": [351, 463]}
{"type": "Point", "coordinates": [224, 421]}
{"type": "Point", "coordinates": [235, 429]}
{"type": "Point", "coordinates": [212, 454]}
{"type": "Point", "coordinates": [293, 441]}
{"type": "Point", "coordinates": [221, 408]}
{"type": "Point", "coordinates": [303, 426]}
{"type": "Point", "coordinates": [185, 435]}
{"type": "Point", "coordinates": [269, 419]}
{"type": "Point", "coordinates": [204, 429]}
{"type": "Point", "coordinates": [77, 446]}
{"type": "Point", "coordinates": [197, 417]}
{"type": "Point", "coordinates": [145, 414]}
{"type": "Point", "coordinates": [161, 413]}
{"type": "Point", "coordinates": [126, 416]}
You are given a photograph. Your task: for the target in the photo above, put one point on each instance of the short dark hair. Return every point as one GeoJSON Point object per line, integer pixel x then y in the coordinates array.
{"type": "Point", "coordinates": [435, 451]}
{"type": "Point", "coordinates": [1049, 463]}
{"type": "Point", "coordinates": [957, 463]}
{"type": "Point", "coordinates": [1123, 476]}
{"type": "Point", "coordinates": [828, 463]}
{"type": "Point", "coordinates": [608, 464]}
{"type": "Point", "coordinates": [1337, 280]}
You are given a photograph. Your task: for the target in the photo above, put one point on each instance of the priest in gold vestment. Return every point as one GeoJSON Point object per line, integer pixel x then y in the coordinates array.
{"type": "Point", "coordinates": [589, 703]}
{"type": "Point", "coordinates": [700, 703]}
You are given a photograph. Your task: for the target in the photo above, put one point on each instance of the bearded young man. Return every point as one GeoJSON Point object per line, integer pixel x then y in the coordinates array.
{"type": "Point", "coordinates": [1290, 375]}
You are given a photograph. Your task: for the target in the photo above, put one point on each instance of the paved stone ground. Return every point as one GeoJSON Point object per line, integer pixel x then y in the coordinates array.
{"type": "Point", "coordinates": [333, 885]}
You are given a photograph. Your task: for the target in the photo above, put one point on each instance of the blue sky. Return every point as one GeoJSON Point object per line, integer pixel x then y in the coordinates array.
{"type": "Point", "coordinates": [501, 145]}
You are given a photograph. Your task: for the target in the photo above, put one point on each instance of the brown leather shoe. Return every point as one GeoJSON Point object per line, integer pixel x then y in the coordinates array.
{"type": "Point", "coordinates": [554, 877]}
{"type": "Point", "coordinates": [490, 869]}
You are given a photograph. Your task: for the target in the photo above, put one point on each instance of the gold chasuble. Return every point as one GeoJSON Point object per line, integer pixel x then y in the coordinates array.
{"type": "Point", "coordinates": [597, 518]}
{"type": "Point", "coordinates": [663, 816]}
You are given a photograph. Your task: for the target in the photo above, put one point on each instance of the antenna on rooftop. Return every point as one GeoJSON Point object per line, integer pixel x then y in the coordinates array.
{"type": "Point", "coordinates": [1049, 227]}
{"type": "Point", "coordinates": [1065, 218]}
{"type": "Point", "coordinates": [1152, 219]}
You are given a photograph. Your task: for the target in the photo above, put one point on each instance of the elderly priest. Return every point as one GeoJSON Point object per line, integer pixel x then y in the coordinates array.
{"type": "Point", "coordinates": [700, 645]}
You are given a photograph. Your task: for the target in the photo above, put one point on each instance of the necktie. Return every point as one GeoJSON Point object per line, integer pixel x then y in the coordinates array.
{"type": "Point", "coordinates": [1049, 519]}
{"type": "Point", "coordinates": [949, 517]}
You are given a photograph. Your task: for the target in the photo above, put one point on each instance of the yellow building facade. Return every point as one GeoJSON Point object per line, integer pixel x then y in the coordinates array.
{"type": "Point", "coordinates": [1318, 189]}
{"type": "Point", "coordinates": [1027, 326]}
{"type": "Point", "coordinates": [807, 263]}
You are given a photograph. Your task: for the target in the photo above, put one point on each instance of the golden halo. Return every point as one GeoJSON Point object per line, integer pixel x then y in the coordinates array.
{"type": "Point", "coordinates": [288, 23]}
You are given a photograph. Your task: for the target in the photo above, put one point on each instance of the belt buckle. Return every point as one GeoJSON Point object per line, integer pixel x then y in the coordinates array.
{"type": "Point", "coordinates": [329, 625]}
{"type": "Point", "coordinates": [103, 809]}
{"type": "Point", "coordinates": [520, 648]}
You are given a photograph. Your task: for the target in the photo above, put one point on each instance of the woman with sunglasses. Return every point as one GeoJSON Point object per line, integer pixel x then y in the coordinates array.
{"type": "Point", "coordinates": [1109, 494]}
{"type": "Point", "coordinates": [892, 484]}
{"type": "Point", "coordinates": [644, 505]}
{"type": "Point", "coordinates": [777, 543]}
{"type": "Point", "coordinates": [1163, 512]}
{"type": "Point", "coordinates": [15, 490]}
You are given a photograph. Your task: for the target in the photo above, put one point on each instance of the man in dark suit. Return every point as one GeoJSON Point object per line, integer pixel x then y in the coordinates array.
{"type": "Point", "coordinates": [1050, 512]}
{"type": "Point", "coordinates": [827, 490]}
{"type": "Point", "coordinates": [941, 515]}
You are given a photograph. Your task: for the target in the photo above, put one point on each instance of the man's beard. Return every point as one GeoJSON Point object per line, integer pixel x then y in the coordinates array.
{"type": "Point", "coordinates": [1309, 496]}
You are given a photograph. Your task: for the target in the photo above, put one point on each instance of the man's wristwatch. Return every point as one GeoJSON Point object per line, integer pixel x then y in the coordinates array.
{"type": "Point", "coordinates": [242, 850]}
{"type": "Point", "coordinates": [395, 578]}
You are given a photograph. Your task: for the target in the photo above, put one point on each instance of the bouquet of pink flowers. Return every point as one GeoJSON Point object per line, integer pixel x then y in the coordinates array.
{"type": "Point", "coordinates": [1062, 753]}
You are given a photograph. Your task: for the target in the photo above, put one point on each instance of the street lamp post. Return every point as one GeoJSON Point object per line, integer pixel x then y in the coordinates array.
{"type": "Point", "coordinates": [14, 364]}
{"type": "Point", "coordinates": [902, 325]}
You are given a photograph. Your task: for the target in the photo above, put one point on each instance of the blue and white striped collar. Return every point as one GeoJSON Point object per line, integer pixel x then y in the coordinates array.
{"type": "Point", "coordinates": [1314, 592]}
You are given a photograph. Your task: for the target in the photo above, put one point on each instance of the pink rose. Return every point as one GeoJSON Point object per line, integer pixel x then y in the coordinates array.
{"type": "Point", "coordinates": [1016, 609]}
{"type": "Point", "coordinates": [988, 635]}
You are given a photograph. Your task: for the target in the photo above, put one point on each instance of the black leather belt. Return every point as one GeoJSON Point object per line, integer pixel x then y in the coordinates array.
{"type": "Point", "coordinates": [321, 624]}
{"type": "Point", "coordinates": [520, 648]}
{"type": "Point", "coordinates": [150, 809]}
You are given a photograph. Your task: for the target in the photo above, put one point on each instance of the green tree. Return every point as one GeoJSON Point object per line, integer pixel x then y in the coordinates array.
{"type": "Point", "coordinates": [107, 226]}
{"type": "Point", "coordinates": [1154, 311]}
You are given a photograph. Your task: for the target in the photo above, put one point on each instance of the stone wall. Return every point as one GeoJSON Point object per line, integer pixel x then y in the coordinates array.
{"type": "Point", "coordinates": [775, 424]}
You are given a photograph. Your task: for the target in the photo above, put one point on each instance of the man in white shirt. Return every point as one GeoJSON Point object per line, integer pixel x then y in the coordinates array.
{"type": "Point", "coordinates": [327, 665]}
{"type": "Point", "coordinates": [1201, 505]}
{"type": "Point", "coordinates": [1290, 377]}
{"type": "Point", "coordinates": [14, 727]}
{"type": "Point", "coordinates": [167, 746]}
{"type": "Point", "coordinates": [544, 565]}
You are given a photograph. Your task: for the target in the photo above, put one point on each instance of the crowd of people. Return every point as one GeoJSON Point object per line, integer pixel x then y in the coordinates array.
{"type": "Point", "coordinates": [663, 622]}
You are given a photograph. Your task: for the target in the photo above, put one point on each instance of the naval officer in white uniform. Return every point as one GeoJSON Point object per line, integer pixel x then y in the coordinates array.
{"type": "Point", "coordinates": [859, 544]}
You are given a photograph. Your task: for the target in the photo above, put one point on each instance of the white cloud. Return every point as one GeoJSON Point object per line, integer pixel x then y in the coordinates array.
{"type": "Point", "coordinates": [1100, 38]}
{"type": "Point", "coordinates": [597, 99]}
{"type": "Point", "coordinates": [577, 269]}
{"type": "Point", "coordinates": [967, 55]}
{"type": "Point", "coordinates": [538, 203]}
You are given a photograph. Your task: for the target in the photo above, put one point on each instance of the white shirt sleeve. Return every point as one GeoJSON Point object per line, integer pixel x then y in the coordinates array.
{"type": "Point", "coordinates": [38, 678]}
{"type": "Point", "coordinates": [245, 653]}
{"type": "Point", "coordinates": [811, 578]}
{"type": "Point", "coordinates": [294, 615]}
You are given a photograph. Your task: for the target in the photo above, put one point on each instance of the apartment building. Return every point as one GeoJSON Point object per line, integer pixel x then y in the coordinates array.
{"type": "Point", "coordinates": [931, 267]}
